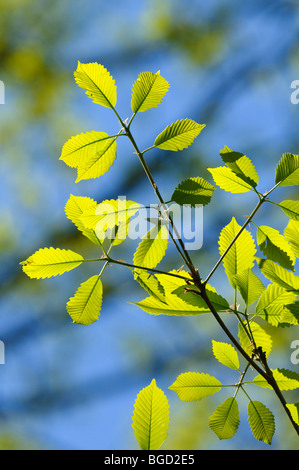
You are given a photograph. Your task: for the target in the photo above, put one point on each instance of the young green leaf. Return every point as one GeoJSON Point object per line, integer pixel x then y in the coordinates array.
{"type": "Point", "coordinates": [291, 208]}
{"type": "Point", "coordinates": [85, 306]}
{"type": "Point", "coordinates": [294, 409]}
{"type": "Point", "coordinates": [80, 148]}
{"type": "Point", "coordinates": [193, 191]}
{"type": "Point", "coordinates": [287, 170]}
{"type": "Point", "coordinates": [99, 162]}
{"type": "Point", "coordinates": [290, 314]}
{"type": "Point", "coordinates": [226, 179]}
{"type": "Point", "coordinates": [272, 302]}
{"type": "Point", "coordinates": [249, 286]}
{"type": "Point", "coordinates": [286, 380]}
{"type": "Point", "coordinates": [241, 254]}
{"type": "Point", "coordinates": [151, 284]}
{"type": "Point", "coordinates": [240, 165]}
{"type": "Point", "coordinates": [48, 262]}
{"type": "Point", "coordinates": [289, 281]}
{"type": "Point", "coordinates": [261, 421]}
{"type": "Point", "coordinates": [226, 354]}
{"type": "Point", "coordinates": [225, 419]}
{"type": "Point", "coordinates": [179, 135]}
{"type": "Point", "coordinates": [148, 91]}
{"type": "Point", "coordinates": [261, 339]}
{"type": "Point", "coordinates": [275, 247]}
{"type": "Point", "coordinates": [74, 208]}
{"type": "Point", "coordinates": [193, 386]}
{"type": "Point", "coordinates": [97, 82]}
{"type": "Point", "coordinates": [291, 234]}
{"type": "Point", "coordinates": [152, 248]}
{"type": "Point", "coordinates": [151, 417]}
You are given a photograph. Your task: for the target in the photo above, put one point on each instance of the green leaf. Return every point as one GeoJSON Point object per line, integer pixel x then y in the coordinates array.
{"type": "Point", "coordinates": [176, 302]}
{"type": "Point", "coordinates": [225, 419]}
{"type": "Point", "coordinates": [275, 247]}
{"type": "Point", "coordinates": [290, 314]}
{"type": "Point", "coordinates": [151, 417]}
{"type": "Point", "coordinates": [291, 208]}
{"type": "Point", "coordinates": [286, 380]}
{"type": "Point", "coordinates": [240, 165]}
{"type": "Point", "coordinates": [85, 306]}
{"type": "Point", "coordinates": [109, 215]}
{"type": "Point", "coordinates": [148, 91]}
{"type": "Point", "coordinates": [272, 302]}
{"type": "Point", "coordinates": [97, 82]}
{"type": "Point", "coordinates": [178, 135]}
{"type": "Point", "coordinates": [289, 281]}
{"type": "Point", "coordinates": [151, 284]}
{"type": "Point", "coordinates": [249, 286]}
{"type": "Point", "coordinates": [80, 148]}
{"type": "Point", "coordinates": [241, 254]}
{"type": "Point", "coordinates": [294, 409]}
{"type": "Point", "coordinates": [291, 234]}
{"type": "Point", "coordinates": [74, 209]}
{"type": "Point", "coordinates": [226, 179]}
{"type": "Point", "coordinates": [152, 248]}
{"type": "Point", "coordinates": [261, 339]}
{"type": "Point", "coordinates": [261, 421]}
{"type": "Point", "coordinates": [48, 262]}
{"type": "Point", "coordinates": [99, 162]}
{"type": "Point", "coordinates": [193, 191]}
{"type": "Point", "coordinates": [287, 170]}
{"type": "Point", "coordinates": [226, 354]}
{"type": "Point", "coordinates": [193, 386]}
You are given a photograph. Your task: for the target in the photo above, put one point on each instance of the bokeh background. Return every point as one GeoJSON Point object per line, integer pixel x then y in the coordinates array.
{"type": "Point", "coordinates": [230, 65]}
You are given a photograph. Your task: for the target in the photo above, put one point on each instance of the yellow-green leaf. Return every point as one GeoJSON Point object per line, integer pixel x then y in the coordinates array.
{"type": "Point", "coordinates": [78, 149]}
{"type": "Point", "coordinates": [249, 286]}
{"type": "Point", "coordinates": [193, 191]}
{"type": "Point", "coordinates": [148, 91]}
{"type": "Point", "coordinates": [291, 234]}
{"type": "Point", "coordinates": [241, 255]}
{"type": "Point", "coordinates": [226, 179]}
{"type": "Point", "coordinates": [286, 379]}
{"type": "Point", "coordinates": [151, 417]}
{"type": "Point", "coordinates": [179, 135]}
{"type": "Point", "coordinates": [99, 162]}
{"type": "Point", "coordinates": [85, 306]}
{"type": "Point", "coordinates": [48, 262]}
{"type": "Point", "coordinates": [261, 339]}
{"type": "Point", "coordinates": [291, 208]}
{"type": "Point", "coordinates": [261, 421]}
{"type": "Point", "coordinates": [152, 248]}
{"type": "Point", "coordinates": [193, 386]}
{"type": "Point", "coordinates": [225, 419]}
{"type": "Point", "coordinates": [275, 247]}
{"type": "Point", "coordinates": [97, 82]}
{"type": "Point", "coordinates": [287, 170]}
{"type": "Point", "coordinates": [74, 208]}
{"type": "Point", "coordinates": [288, 280]}
{"type": "Point", "coordinates": [240, 165]}
{"type": "Point", "coordinates": [226, 354]}
{"type": "Point", "coordinates": [272, 302]}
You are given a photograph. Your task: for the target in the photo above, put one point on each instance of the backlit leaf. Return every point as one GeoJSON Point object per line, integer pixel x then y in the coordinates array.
{"type": "Point", "coordinates": [226, 179]}
{"type": "Point", "coordinates": [78, 149]}
{"type": "Point", "coordinates": [48, 262]}
{"type": "Point", "coordinates": [240, 165]}
{"type": "Point", "coordinates": [193, 386]}
{"type": "Point", "coordinates": [193, 191]}
{"type": "Point", "coordinates": [261, 421]}
{"type": "Point", "coordinates": [152, 248]}
{"type": "Point", "coordinates": [225, 419]}
{"type": "Point", "coordinates": [261, 339]}
{"type": "Point", "coordinates": [275, 247]}
{"type": "Point", "coordinates": [97, 82]}
{"type": "Point", "coordinates": [291, 208]}
{"type": "Point", "coordinates": [99, 162]}
{"type": "Point", "coordinates": [286, 279]}
{"type": "Point", "coordinates": [291, 234]}
{"type": "Point", "coordinates": [241, 255]}
{"type": "Point", "coordinates": [151, 417]}
{"type": "Point", "coordinates": [286, 380]}
{"type": "Point", "coordinates": [287, 170]}
{"type": "Point", "coordinates": [74, 208]}
{"type": "Point", "coordinates": [226, 354]}
{"type": "Point", "coordinates": [272, 302]}
{"type": "Point", "coordinates": [179, 135]}
{"type": "Point", "coordinates": [249, 286]}
{"type": "Point", "coordinates": [85, 306]}
{"type": "Point", "coordinates": [148, 91]}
